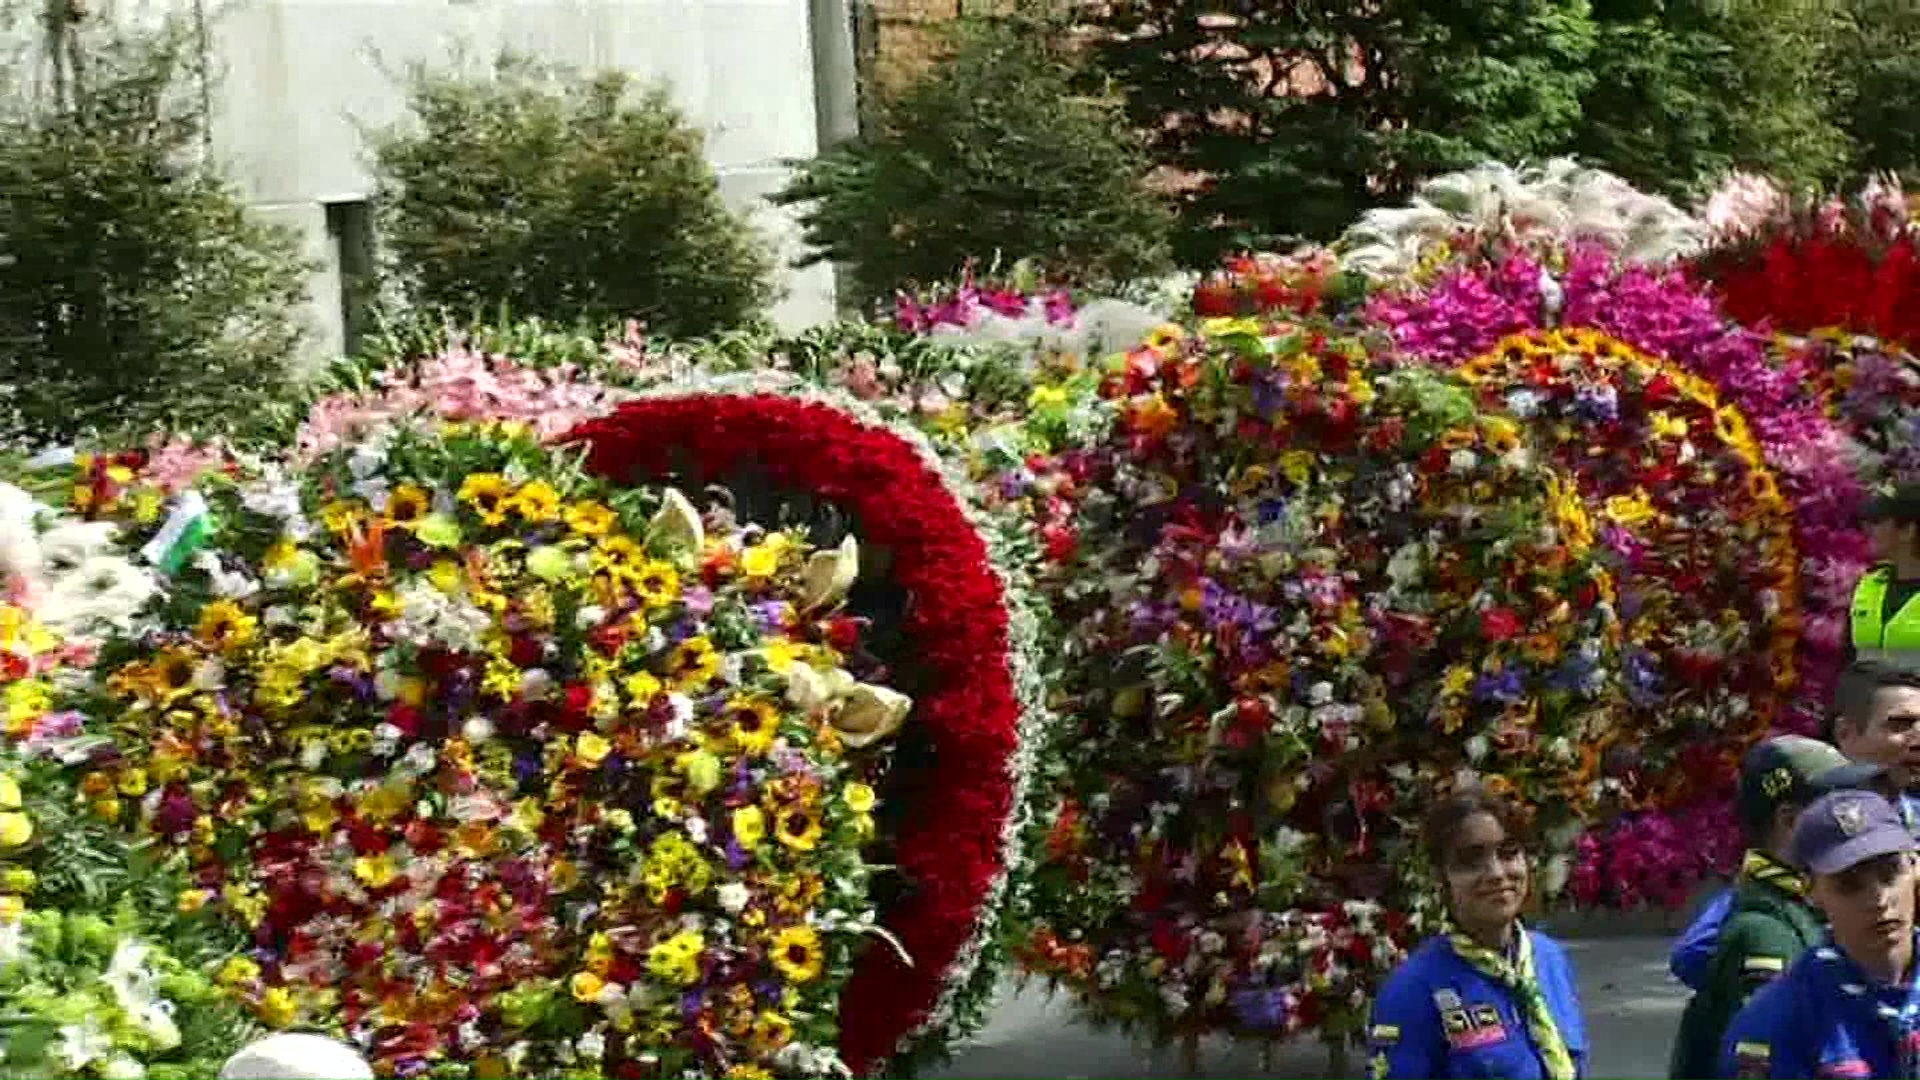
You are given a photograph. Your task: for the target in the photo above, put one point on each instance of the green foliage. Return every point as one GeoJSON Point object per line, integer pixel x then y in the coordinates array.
{"type": "Point", "coordinates": [135, 292]}
{"type": "Point", "coordinates": [1691, 89]}
{"type": "Point", "coordinates": [563, 196]}
{"type": "Point", "coordinates": [1300, 116]}
{"type": "Point", "coordinates": [1878, 62]}
{"type": "Point", "coordinates": [990, 155]}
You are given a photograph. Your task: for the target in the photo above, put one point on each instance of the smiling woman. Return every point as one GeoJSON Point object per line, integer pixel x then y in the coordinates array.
{"type": "Point", "coordinates": [1492, 998]}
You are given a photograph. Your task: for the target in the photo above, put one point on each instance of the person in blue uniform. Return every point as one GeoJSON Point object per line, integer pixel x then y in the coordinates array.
{"type": "Point", "coordinates": [1848, 1007]}
{"type": "Point", "coordinates": [1491, 998]}
{"type": "Point", "coordinates": [1876, 723]}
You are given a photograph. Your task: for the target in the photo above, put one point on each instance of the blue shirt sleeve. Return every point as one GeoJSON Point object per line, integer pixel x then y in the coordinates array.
{"type": "Point", "coordinates": [1692, 956]}
{"type": "Point", "coordinates": [1404, 1041]}
{"type": "Point", "coordinates": [1761, 1042]}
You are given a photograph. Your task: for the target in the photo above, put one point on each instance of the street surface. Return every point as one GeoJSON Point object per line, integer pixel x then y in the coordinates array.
{"type": "Point", "coordinates": [1632, 1005]}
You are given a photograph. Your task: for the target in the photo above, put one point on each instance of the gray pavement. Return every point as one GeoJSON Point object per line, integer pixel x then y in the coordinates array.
{"type": "Point", "coordinates": [1632, 1005]}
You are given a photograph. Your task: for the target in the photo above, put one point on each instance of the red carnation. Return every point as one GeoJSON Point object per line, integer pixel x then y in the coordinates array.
{"type": "Point", "coordinates": [525, 652]}
{"type": "Point", "coordinates": [407, 718]}
{"type": "Point", "coordinates": [1499, 624]}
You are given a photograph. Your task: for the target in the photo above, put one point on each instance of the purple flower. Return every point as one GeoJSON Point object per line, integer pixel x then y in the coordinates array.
{"type": "Point", "coordinates": [698, 600]}
{"type": "Point", "coordinates": [1502, 687]}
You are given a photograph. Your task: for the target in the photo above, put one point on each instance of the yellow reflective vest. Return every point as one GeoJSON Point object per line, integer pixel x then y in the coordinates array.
{"type": "Point", "coordinates": [1877, 637]}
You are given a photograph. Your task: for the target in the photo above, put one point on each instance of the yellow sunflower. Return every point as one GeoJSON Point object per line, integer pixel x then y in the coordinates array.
{"type": "Point", "coordinates": [589, 518]}
{"type": "Point", "coordinates": [487, 493]}
{"type": "Point", "coordinates": [693, 662]}
{"type": "Point", "coordinates": [536, 501]}
{"type": "Point", "coordinates": [796, 952]}
{"type": "Point", "coordinates": [408, 505]}
{"type": "Point", "coordinates": [657, 584]}
{"type": "Point", "coordinates": [798, 827]}
{"type": "Point", "coordinates": [753, 722]}
{"type": "Point", "coordinates": [225, 625]}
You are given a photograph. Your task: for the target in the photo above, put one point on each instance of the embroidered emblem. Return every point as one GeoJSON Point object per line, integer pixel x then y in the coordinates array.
{"type": "Point", "coordinates": [1777, 783]}
{"type": "Point", "coordinates": [1455, 1021]}
{"type": "Point", "coordinates": [1485, 1016]}
{"type": "Point", "coordinates": [1766, 963]}
{"type": "Point", "coordinates": [1752, 1061]}
{"type": "Point", "coordinates": [1444, 999]}
{"type": "Point", "coordinates": [1384, 1034]}
{"type": "Point", "coordinates": [1849, 1069]}
{"type": "Point", "coordinates": [1851, 817]}
{"type": "Point", "coordinates": [1475, 1038]}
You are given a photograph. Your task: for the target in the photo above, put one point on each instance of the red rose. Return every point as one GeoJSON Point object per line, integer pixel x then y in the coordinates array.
{"type": "Point", "coordinates": [579, 700]}
{"type": "Point", "coordinates": [843, 633]}
{"type": "Point", "coordinates": [1499, 624]}
{"type": "Point", "coordinates": [407, 718]}
{"type": "Point", "coordinates": [525, 652]}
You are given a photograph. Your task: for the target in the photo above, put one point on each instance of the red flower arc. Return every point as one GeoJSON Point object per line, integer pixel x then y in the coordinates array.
{"type": "Point", "coordinates": [957, 625]}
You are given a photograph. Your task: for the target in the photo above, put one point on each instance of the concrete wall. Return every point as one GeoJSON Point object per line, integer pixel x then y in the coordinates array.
{"type": "Point", "coordinates": [299, 79]}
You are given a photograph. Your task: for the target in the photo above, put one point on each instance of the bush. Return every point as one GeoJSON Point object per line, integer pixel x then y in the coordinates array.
{"type": "Point", "coordinates": [562, 196]}
{"type": "Point", "coordinates": [991, 154]}
{"type": "Point", "coordinates": [135, 292]}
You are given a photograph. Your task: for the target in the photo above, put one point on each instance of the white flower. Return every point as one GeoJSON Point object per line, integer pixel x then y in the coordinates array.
{"type": "Point", "coordinates": [1462, 460]}
{"type": "Point", "coordinates": [592, 1045]}
{"type": "Point", "coordinates": [19, 541]}
{"type": "Point", "coordinates": [829, 574]}
{"type": "Point", "coordinates": [103, 591]}
{"type": "Point", "coordinates": [1477, 748]}
{"type": "Point", "coordinates": [296, 1056]}
{"type": "Point", "coordinates": [677, 522]}
{"type": "Point", "coordinates": [13, 941]}
{"type": "Point", "coordinates": [80, 1045]}
{"type": "Point", "coordinates": [122, 1067]}
{"type": "Point", "coordinates": [809, 688]}
{"type": "Point", "coordinates": [228, 585]}
{"type": "Point", "coordinates": [733, 897]}
{"type": "Point", "coordinates": [68, 545]}
{"type": "Point", "coordinates": [589, 616]}
{"type": "Point", "coordinates": [477, 730]}
{"type": "Point", "coordinates": [871, 713]}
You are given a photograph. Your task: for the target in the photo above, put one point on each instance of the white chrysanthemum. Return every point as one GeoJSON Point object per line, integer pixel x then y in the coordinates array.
{"type": "Point", "coordinates": [296, 1057]}
{"type": "Point", "coordinates": [104, 592]}
{"type": "Point", "coordinates": [1557, 202]}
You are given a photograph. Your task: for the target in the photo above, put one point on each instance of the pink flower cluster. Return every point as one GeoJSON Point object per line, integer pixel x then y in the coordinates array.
{"type": "Point", "coordinates": [461, 384]}
{"type": "Point", "coordinates": [964, 305]}
{"type": "Point", "coordinates": [1657, 858]}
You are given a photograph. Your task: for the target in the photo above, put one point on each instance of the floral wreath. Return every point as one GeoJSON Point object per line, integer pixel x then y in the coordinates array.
{"type": "Point", "coordinates": [1664, 314]}
{"type": "Point", "coordinates": [1325, 585]}
{"type": "Point", "coordinates": [968, 622]}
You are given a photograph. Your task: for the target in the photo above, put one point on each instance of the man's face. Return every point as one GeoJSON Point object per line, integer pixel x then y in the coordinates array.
{"type": "Point", "coordinates": [1869, 906]}
{"type": "Point", "coordinates": [1890, 734]}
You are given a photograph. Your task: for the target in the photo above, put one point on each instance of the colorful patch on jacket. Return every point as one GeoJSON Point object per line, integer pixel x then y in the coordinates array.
{"type": "Point", "coordinates": [1752, 1061]}
{"type": "Point", "coordinates": [1845, 1069]}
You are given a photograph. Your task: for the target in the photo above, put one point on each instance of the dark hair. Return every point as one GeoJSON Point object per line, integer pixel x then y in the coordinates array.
{"type": "Point", "coordinates": [1445, 817]}
{"type": "Point", "coordinates": [1853, 694]}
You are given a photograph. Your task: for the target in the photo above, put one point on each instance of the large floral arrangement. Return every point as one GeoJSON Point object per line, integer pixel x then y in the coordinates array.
{"type": "Point", "coordinates": [1313, 589]}
{"type": "Point", "coordinates": [1471, 307]}
{"type": "Point", "coordinates": [967, 645]}
{"type": "Point", "coordinates": [503, 771]}
{"type": "Point", "coordinates": [1704, 555]}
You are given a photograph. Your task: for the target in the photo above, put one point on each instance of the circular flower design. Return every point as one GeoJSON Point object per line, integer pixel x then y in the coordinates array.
{"type": "Point", "coordinates": [507, 772]}
{"type": "Point", "coordinates": [977, 707]}
{"type": "Point", "coordinates": [1311, 588]}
